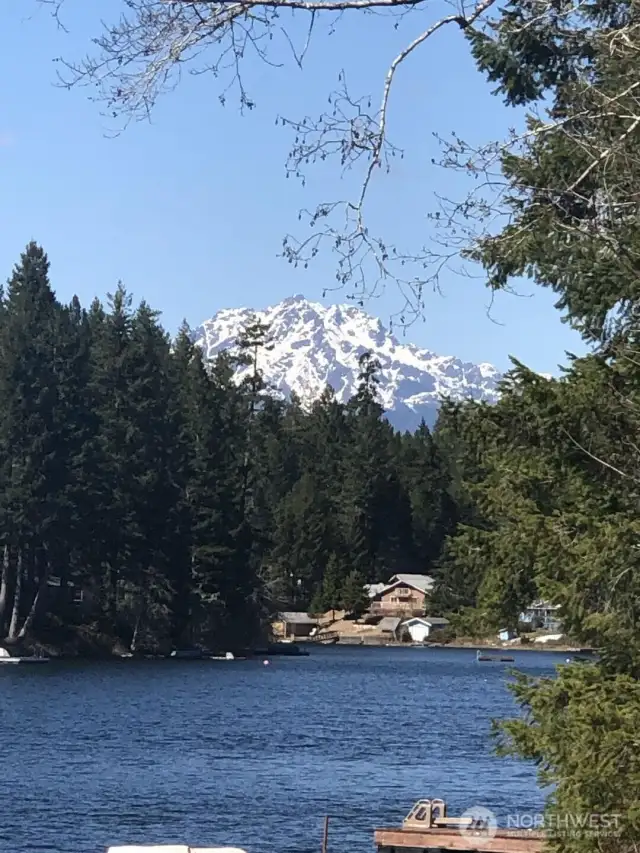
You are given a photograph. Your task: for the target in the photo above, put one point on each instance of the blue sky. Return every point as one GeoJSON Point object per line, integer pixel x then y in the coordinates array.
{"type": "Point", "coordinates": [190, 210]}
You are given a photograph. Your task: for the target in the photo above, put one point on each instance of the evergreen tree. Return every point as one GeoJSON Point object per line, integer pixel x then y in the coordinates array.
{"type": "Point", "coordinates": [35, 459]}
{"type": "Point", "coordinates": [373, 507]}
{"type": "Point", "coordinates": [301, 542]}
{"type": "Point", "coordinates": [427, 484]}
{"type": "Point", "coordinates": [329, 596]}
{"type": "Point", "coordinates": [353, 596]}
{"type": "Point", "coordinates": [563, 487]}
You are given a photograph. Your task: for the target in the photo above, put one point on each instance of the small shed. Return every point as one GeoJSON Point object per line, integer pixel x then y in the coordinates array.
{"type": "Point", "coordinates": [504, 634]}
{"type": "Point", "coordinates": [388, 626]}
{"type": "Point", "coordinates": [294, 624]}
{"type": "Point", "coordinates": [421, 627]}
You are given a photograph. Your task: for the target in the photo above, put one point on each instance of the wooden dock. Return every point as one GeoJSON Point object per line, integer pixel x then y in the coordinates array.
{"type": "Point", "coordinates": [428, 828]}
{"type": "Point", "coordinates": [504, 841]}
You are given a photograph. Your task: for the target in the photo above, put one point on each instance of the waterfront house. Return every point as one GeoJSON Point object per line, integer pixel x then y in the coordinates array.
{"type": "Point", "coordinates": [420, 628]}
{"type": "Point", "coordinates": [293, 625]}
{"type": "Point", "coordinates": [404, 595]}
{"type": "Point", "coordinates": [541, 614]}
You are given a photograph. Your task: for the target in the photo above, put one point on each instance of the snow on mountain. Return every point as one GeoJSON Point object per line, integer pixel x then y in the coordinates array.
{"type": "Point", "coordinates": [314, 346]}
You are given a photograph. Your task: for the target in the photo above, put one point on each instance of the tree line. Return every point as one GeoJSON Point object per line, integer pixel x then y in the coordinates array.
{"type": "Point", "coordinates": [147, 499]}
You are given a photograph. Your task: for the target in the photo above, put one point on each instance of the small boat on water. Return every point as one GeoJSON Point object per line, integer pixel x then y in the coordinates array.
{"type": "Point", "coordinates": [172, 848]}
{"type": "Point", "coordinates": [291, 650]}
{"type": "Point", "coordinates": [484, 658]}
{"type": "Point", "coordinates": [7, 658]}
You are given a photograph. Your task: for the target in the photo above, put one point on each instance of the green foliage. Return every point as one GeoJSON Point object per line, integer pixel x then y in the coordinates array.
{"type": "Point", "coordinates": [547, 482]}
{"type": "Point", "coordinates": [353, 596]}
{"type": "Point", "coordinates": [329, 595]}
{"type": "Point", "coordinates": [550, 499]}
{"type": "Point", "coordinates": [581, 728]}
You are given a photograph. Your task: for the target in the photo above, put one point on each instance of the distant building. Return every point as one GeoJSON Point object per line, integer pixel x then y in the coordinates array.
{"type": "Point", "coordinates": [73, 593]}
{"type": "Point", "coordinates": [504, 634]}
{"type": "Point", "coordinates": [388, 627]}
{"type": "Point", "coordinates": [404, 595]}
{"type": "Point", "coordinates": [290, 624]}
{"type": "Point", "coordinates": [542, 614]}
{"type": "Point", "coordinates": [421, 628]}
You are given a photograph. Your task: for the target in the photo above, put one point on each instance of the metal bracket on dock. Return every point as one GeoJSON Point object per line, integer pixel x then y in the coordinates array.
{"type": "Point", "coordinates": [432, 814]}
{"type": "Point", "coordinates": [425, 814]}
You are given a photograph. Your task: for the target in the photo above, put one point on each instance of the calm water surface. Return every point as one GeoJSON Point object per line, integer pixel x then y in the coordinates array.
{"type": "Point", "coordinates": [236, 753]}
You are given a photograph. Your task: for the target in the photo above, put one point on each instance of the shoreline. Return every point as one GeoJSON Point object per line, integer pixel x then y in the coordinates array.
{"type": "Point", "coordinates": [528, 647]}
{"type": "Point", "coordinates": [483, 646]}
{"type": "Point", "coordinates": [303, 647]}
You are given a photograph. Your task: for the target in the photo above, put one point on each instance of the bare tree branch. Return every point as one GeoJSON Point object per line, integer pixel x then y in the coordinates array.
{"type": "Point", "coordinates": [143, 54]}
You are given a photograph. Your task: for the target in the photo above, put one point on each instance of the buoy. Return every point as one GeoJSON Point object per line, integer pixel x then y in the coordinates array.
{"type": "Point", "coordinates": [265, 663]}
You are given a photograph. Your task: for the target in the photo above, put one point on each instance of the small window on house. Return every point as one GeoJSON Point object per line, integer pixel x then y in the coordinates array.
{"type": "Point", "coordinates": [78, 596]}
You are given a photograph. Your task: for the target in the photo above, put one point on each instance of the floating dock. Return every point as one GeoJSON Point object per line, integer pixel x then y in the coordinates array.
{"type": "Point", "coordinates": [503, 658]}
{"type": "Point", "coordinates": [427, 829]}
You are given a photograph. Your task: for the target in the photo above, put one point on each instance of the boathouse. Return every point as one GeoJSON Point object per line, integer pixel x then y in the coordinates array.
{"type": "Point", "coordinates": [420, 628]}
{"type": "Point", "coordinates": [294, 625]}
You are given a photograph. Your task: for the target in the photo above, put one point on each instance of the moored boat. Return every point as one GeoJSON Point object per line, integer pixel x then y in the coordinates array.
{"type": "Point", "coordinates": [484, 658]}
{"type": "Point", "coordinates": [7, 658]}
{"type": "Point", "coordinates": [172, 848]}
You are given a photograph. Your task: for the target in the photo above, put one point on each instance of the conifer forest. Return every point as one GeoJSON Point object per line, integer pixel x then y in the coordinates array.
{"type": "Point", "coordinates": [148, 500]}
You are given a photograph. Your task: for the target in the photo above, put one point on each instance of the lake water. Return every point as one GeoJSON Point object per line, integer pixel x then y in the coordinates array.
{"type": "Point", "coordinates": [237, 753]}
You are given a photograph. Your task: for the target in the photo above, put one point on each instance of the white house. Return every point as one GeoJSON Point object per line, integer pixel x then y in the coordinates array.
{"type": "Point", "coordinates": [421, 627]}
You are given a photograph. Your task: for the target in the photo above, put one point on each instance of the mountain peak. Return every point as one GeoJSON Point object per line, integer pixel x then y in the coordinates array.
{"type": "Point", "coordinates": [314, 345]}
{"type": "Point", "coordinates": [293, 300]}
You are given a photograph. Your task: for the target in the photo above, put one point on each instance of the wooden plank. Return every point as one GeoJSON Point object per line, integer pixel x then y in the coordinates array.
{"type": "Point", "coordinates": [502, 842]}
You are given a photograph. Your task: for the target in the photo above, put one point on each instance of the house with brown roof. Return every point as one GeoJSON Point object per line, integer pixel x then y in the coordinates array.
{"type": "Point", "coordinates": [405, 595]}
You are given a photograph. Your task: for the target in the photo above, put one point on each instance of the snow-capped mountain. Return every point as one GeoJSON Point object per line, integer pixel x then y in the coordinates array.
{"type": "Point", "coordinates": [312, 346]}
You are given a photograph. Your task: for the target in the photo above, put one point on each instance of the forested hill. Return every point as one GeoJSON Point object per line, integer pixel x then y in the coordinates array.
{"type": "Point", "coordinates": [150, 501]}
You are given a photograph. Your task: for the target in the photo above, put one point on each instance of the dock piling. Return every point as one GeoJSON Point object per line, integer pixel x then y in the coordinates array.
{"type": "Point", "coordinates": [325, 834]}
